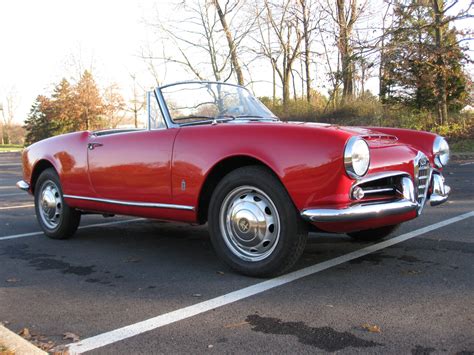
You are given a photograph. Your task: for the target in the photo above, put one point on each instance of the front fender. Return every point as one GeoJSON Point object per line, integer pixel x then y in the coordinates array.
{"type": "Point", "coordinates": [419, 140]}
{"type": "Point", "coordinates": [308, 161]}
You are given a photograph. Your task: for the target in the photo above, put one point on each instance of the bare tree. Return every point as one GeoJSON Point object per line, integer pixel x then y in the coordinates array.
{"type": "Point", "coordinates": [309, 17]}
{"type": "Point", "coordinates": [114, 106]}
{"type": "Point", "coordinates": [206, 40]}
{"type": "Point", "coordinates": [280, 41]}
{"type": "Point", "coordinates": [230, 39]}
{"type": "Point", "coordinates": [346, 17]}
{"type": "Point", "coordinates": [8, 113]}
{"type": "Point", "coordinates": [386, 29]}
{"type": "Point", "coordinates": [137, 103]}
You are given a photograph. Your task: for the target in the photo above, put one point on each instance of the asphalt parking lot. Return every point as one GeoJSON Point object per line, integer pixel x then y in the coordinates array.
{"type": "Point", "coordinates": [415, 296]}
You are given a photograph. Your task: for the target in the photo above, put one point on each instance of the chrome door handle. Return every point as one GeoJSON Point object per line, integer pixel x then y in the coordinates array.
{"type": "Point", "coordinates": [91, 146]}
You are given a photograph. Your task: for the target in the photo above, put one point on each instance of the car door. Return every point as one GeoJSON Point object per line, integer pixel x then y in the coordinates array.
{"type": "Point", "coordinates": [133, 166]}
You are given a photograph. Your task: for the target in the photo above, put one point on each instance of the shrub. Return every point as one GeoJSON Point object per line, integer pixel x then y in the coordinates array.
{"type": "Point", "coordinates": [367, 110]}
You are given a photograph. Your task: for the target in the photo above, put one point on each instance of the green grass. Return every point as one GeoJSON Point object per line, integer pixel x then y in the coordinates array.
{"type": "Point", "coordinates": [462, 145]}
{"type": "Point", "coordinates": [10, 147]}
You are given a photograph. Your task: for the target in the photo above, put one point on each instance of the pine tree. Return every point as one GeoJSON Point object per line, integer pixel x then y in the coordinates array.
{"type": "Point", "coordinates": [420, 69]}
{"type": "Point", "coordinates": [89, 103]}
{"type": "Point", "coordinates": [39, 125]}
{"type": "Point", "coordinates": [64, 108]}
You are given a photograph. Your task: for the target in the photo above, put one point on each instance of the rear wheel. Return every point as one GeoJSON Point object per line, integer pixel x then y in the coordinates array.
{"type": "Point", "coordinates": [371, 235]}
{"type": "Point", "coordinates": [253, 223]}
{"type": "Point", "coordinates": [55, 217]}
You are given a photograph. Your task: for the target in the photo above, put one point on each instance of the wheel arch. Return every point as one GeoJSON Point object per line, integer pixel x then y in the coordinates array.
{"type": "Point", "coordinates": [39, 167]}
{"type": "Point", "coordinates": [217, 173]}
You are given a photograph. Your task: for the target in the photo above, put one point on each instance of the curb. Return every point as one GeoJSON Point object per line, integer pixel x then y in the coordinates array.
{"type": "Point", "coordinates": [17, 344]}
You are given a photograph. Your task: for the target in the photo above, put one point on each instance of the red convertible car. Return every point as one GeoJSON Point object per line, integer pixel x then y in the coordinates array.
{"type": "Point", "coordinates": [214, 153]}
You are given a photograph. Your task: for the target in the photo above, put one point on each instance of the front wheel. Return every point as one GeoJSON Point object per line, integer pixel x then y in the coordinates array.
{"type": "Point", "coordinates": [253, 223]}
{"type": "Point", "coordinates": [372, 235]}
{"type": "Point", "coordinates": [55, 217]}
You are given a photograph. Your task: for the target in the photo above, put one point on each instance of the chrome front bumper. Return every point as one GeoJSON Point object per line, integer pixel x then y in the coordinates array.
{"type": "Point", "coordinates": [440, 191]}
{"type": "Point", "coordinates": [363, 211]}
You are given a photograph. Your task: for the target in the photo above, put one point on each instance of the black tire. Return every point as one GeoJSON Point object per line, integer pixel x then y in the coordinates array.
{"type": "Point", "coordinates": [289, 232]}
{"type": "Point", "coordinates": [48, 191]}
{"type": "Point", "coordinates": [372, 235]}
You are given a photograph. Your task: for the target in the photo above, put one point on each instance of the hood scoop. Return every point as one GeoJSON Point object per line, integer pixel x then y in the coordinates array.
{"type": "Point", "coordinates": [380, 138]}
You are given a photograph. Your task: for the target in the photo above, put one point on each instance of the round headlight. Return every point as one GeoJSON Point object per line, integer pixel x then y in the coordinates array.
{"type": "Point", "coordinates": [356, 157]}
{"type": "Point", "coordinates": [441, 152]}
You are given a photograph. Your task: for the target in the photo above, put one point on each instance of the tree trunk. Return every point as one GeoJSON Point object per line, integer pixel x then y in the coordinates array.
{"type": "Point", "coordinates": [308, 72]}
{"type": "Point", "coordinates": [274, 84]}
{"type": "Point", "coordinates": [87, 118]}
{"type": "Point", "coordinates": [345, 48]}
{"type": "Point", "coordinates": [441, 102]}
{"type": "Point", "coordinates": [382, 78]}
{"type": "Point", "coordinates": [307, 49]}
{"type": "Point", "coordinates": [5, 135]}
{"type": "Point", "coordinates": [230, 42]}
{"type": "Point", "coordinates": [295, 96]}
{"type": "Point", "coordinates": [286, 88]}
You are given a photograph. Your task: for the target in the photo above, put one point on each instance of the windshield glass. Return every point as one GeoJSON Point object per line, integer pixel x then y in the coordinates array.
{"type": "Point", "coordinates": [196, 102]}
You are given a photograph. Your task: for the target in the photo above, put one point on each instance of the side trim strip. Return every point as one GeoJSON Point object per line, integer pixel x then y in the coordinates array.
{"type": "Point", "coordinates": [135, 204]}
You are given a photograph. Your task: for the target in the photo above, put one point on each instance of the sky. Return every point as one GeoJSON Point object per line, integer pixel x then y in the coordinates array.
{"type": "Point", "coordinates": [43, 41]}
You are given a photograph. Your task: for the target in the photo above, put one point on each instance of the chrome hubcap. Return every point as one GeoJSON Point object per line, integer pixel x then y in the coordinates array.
{"type": "Point", "coordinates": [51, 204]}
{"type": "Point", "coordinates": [249, 223]}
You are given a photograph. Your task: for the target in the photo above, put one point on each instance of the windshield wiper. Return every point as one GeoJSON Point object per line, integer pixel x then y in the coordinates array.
{"type": "Point", "coordinates": [207, 119]}
{"type": "Point", "coordinates": [258, 117]}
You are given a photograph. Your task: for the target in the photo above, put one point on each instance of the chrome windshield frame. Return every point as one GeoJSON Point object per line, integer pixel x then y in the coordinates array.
{"type": "Point", "coordinates": [201, 82]}
{"type": "Point", "coordinates": [164, 108]}
{"type": "Point", "coordinates": [155, 95]}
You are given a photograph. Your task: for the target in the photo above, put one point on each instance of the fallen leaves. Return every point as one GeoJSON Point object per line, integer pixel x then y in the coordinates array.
{"type": "Point", "coordinates": [71, 336]}
{"type": "Point", "coordinates": [235, 325]}
{"type": "Point", "coordinates": [371, 328]}
{"type": "Point", "coordinates": [132, 259]}
{"type": "Point", "coordinates": [37, 340]}
{"type": "Point", "coordinates": [25, 333]}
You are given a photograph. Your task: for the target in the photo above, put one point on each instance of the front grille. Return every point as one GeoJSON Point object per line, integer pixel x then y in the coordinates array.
{"type": "Point", "coordinates": [380, 188]}
{"type": "Point", "coordinates": [383, 186]}
{"type": "Point", "coordinates": [422, 178]}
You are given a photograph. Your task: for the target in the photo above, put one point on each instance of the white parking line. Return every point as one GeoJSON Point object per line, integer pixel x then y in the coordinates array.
{"type": "Point", "coordinates": [11, 164]}
{"type": "Point", "coordinates": [469, 163]}
{"type": "Point", "coordinates": [119, 334]}
{"type": "Point", "coordinates": [8, 187]}
{"type": "Point", "coordinates": [15, 194]}
{"type": "Point", "coordinates": [15, 207]}
{"type": "Point", "coordinates": [32, 234]}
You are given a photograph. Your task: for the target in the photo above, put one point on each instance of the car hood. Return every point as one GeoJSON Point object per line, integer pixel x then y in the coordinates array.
{"type": "Point", "coordinates": [372, 136]}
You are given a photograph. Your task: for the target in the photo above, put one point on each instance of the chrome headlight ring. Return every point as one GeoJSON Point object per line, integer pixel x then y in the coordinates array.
{"type": "Point", "coordinates": [441, 152]}
{"type": "Point", "coordinates": [356, 157]}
